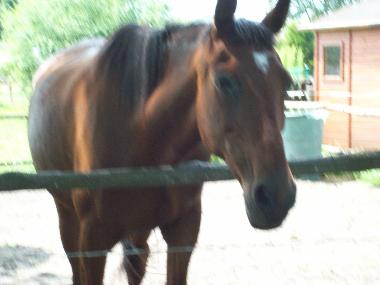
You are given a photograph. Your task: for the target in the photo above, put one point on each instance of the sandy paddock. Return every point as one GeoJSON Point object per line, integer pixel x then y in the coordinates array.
{"type": "Point", "coordinates": [332, 236]}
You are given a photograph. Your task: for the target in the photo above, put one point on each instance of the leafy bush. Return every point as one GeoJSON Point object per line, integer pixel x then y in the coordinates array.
{"type": "Point", "coordinates": [296, 50]}
{"type": "Point", "coordinates": [291, 57]}
{"type": "Point", "coordinates": [302, 41]}
{"type": "Point", "coordinates": [33, 30]}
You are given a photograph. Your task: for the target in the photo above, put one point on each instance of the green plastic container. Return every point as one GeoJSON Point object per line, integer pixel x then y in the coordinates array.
{"type": "Point", "coordinates": [303, 134]}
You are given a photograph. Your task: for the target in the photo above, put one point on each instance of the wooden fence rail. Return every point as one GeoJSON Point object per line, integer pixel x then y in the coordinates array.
{"type": "Point", "coordinates": [186, 174]}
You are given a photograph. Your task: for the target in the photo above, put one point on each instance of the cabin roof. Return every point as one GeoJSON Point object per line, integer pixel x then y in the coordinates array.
{"type": "Point", "coordinates": [364, 14]}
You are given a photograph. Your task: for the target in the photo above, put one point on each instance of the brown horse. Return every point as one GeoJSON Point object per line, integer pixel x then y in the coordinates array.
{"type": "Point", "coordinates": [148, 97]}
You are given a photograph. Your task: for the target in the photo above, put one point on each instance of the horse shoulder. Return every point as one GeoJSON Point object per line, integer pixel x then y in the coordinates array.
{"type": "Point", "coordinates": [58, 85]}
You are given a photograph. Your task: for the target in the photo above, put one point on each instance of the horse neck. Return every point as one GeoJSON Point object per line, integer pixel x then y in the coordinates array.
{"type": "Point", "coordinates": [168, 118]}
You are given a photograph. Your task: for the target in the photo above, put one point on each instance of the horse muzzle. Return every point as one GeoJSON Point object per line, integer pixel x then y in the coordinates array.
{"type": "Point", "coordinates": [267, 203]}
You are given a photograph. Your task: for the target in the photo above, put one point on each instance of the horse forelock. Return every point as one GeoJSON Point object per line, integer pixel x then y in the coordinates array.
{"type": "Point", "coordinates": [247, 32]}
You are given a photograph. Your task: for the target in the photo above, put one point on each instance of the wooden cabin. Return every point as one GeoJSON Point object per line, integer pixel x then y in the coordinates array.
{"type": "Point", "coordinates": [347, 74]}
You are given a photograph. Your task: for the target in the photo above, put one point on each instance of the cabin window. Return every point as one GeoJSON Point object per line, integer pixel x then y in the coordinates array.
{"type": "Point", "coordinates": [333, 61]}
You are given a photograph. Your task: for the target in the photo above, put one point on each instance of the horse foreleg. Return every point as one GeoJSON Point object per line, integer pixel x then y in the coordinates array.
{"type": "Point", "coordinates": [69, 230]}
{"type": "Point", "coordinates": [135, 262]}
{"type": "Point", "coordinates": [181, 237]}
{"type": "Point", "coordinates": [95, 241]}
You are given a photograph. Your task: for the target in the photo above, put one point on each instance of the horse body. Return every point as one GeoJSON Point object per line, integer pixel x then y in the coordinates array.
{"type": "Point", "coordinates": [148, 97]}
{"type": "Point", "coordinates": [74, 127]}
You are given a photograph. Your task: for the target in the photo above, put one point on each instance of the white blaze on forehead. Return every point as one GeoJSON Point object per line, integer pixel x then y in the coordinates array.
{"type": "Point", "coordinates": [261, 59]}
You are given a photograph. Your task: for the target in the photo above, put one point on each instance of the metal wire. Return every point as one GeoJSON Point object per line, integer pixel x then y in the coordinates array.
{"type": "Point", "coordinates": [130, 252]}
{"type": "Point", "coordinates": [208, 247]}
{"type": "Point", "coordinates": [16, 163]}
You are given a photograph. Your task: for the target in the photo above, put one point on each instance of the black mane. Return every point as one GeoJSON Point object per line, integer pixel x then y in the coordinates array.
{"type": "Point", "coordinates": [131, 61]}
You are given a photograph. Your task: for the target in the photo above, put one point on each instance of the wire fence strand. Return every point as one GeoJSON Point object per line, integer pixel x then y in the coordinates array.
{"type": "Point", "coordinates": [206, 247]}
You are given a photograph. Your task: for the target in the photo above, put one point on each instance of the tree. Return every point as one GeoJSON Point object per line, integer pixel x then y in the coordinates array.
{"type": "Point", "coordinates": [5, 5]}
{"type": "Point", "coordinates": [303, 42]}
{"type": "Point", "coordinates": [8, 3]}
{"type": "Point", "coordinates": [315, 8]}
{"type": "Point", "coordinates": [34, 30]}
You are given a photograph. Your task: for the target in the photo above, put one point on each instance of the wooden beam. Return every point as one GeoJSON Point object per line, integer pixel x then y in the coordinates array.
{"type": "Point", "coordinates": [187, 174]}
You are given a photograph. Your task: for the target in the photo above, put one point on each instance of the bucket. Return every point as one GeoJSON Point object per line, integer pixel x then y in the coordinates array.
{"type": "Point", "coordinates": [303, 135]}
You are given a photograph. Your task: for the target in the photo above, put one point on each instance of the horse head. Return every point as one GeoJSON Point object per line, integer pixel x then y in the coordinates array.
{"type": "Point", "coordinates": [240, 108]}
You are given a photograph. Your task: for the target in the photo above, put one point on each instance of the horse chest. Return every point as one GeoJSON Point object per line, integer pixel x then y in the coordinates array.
{"type": "Point", "coordinates": [144, 208]}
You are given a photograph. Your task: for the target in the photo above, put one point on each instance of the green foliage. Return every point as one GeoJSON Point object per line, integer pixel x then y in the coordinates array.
{"type": "Point", "coordinates": [217, 160]}
{"type": "Point", "coordinates": [314, 9]}
{"type": "Point", "coordinates": [34, 30]}
{"type": "Point", "coordinates": [8, 3]}
{"type": "Point", "coordinates": [290, 56]}
{"type": "Point", "coordinates": [5, 5]}
{"type": "Point", "coordinates": [296, 48]}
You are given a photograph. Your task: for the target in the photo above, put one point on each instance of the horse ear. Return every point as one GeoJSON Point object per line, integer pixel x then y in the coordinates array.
{"type": "Point", "coordinates": [224, 16]}
{"type": "Point", "coordinates": [276, 18]}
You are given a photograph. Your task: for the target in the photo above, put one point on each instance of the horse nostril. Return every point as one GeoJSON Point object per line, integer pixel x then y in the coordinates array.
{"type": "Point", "coordinates": [261, 196]}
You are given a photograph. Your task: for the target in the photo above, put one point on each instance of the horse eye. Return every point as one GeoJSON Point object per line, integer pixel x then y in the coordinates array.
{"type": "Point", "coordinates": [228, 85]}
{"type": "Point", "coordinates": [223, 57]}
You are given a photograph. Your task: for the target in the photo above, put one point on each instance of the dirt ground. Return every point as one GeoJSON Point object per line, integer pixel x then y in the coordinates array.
{"type": "Point", "coordinates": [332, 236]}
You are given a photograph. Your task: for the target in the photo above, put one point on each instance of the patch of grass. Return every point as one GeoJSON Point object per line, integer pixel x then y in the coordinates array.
{"type": "Point", "coordinates": [339, 177]}
{"type": "Point", "coordinates": [13, 134]}
{"type": "Point", "coordinates": [14, 141]}
{"type": "Point", "coordinates": [18, 168]}
{"type": "Point", "coordinates": [18, 106]}
{"type": "Point", "coordinates": [370, 176]}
